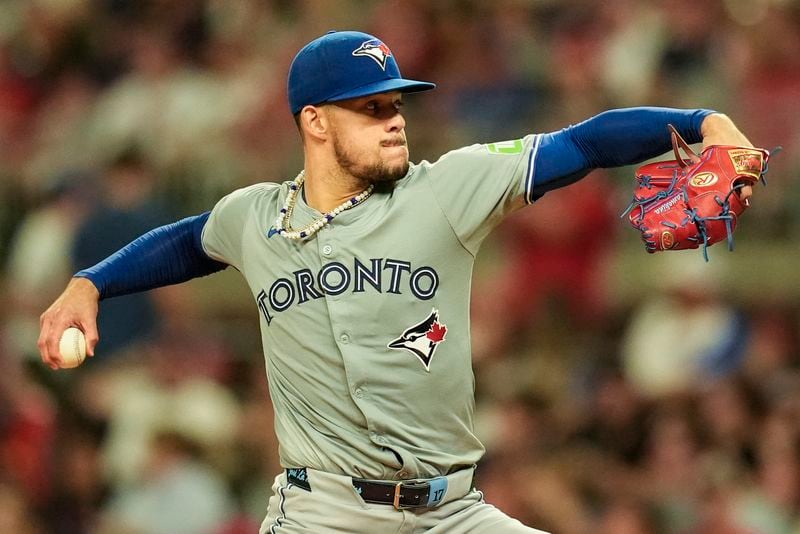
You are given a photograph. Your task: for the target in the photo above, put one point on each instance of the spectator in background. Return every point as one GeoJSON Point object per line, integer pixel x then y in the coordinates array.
{"type": "Point", "coordinates": [28, 423]}
{"type": "Point", "coordinates": [689, 71]}
{"type": "Point", "coordinates": [19, 98]}
{"type": "Point", "coordinates": [729, 410]}
{"type": "Point", "coordinates": [686, 333]}
{"type": "Point", "coordinates": [126, 208]}
{"type": "Point", "coordinates": [613, 422]}
{"type": "Point", "coordinates": [672, 474]}
{"type": "Point", "coordinates": [168, 451]}
{"type": "Point", "coordinates": [78, 487]}
{"type": "Point", "coordinates": [552, 261]}
{"type": "Point", "coordinates": [178, 114]}
{"type": "Point", "coordinates": [179, 493]}
{"type": "Point", "coordinates": [767, 78]}
{"type": "Point", "coordinates": [59, 129]}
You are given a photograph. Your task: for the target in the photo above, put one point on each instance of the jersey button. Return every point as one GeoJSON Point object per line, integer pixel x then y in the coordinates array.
{"type": "Point", "coordinates": [344, 338]}
{"type": "Point", "coordinates": [359, 393]}
{"type": "Point", "coordinates": [327, 250]}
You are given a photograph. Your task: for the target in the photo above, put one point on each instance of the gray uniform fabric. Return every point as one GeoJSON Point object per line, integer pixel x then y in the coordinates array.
{"type": "Point", "coordinates": [334, 506]}
{"type": "Point", "coordinates": [365, 326]}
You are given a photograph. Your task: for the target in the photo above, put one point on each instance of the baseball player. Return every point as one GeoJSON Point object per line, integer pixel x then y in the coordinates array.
{"type": "Point", "coordinates": [360, 267]}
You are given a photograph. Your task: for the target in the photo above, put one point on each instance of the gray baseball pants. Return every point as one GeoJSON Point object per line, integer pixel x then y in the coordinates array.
{"type": "Point", "coordinates": [333, 505]}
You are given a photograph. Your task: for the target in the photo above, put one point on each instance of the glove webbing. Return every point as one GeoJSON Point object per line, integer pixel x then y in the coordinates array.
{"type": "Point", "coordinates": [645, 202]}
{"type": "Point", "coordinates": [725, 215]}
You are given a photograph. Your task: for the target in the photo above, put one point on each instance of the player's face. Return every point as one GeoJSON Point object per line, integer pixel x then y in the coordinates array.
{"type": "Point", "coordinates": [369, 139]}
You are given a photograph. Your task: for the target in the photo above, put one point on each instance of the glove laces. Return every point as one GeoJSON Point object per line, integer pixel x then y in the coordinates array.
{"type": "Point", "coordinates": [644, 203]}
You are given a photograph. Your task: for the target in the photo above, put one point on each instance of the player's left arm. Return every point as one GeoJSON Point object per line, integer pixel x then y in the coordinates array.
{"type": "Point", "coordinates": [623, 137]}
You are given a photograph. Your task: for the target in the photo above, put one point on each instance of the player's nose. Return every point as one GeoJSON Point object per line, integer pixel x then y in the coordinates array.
{"type": "Point", "coordinates": [395, 123]}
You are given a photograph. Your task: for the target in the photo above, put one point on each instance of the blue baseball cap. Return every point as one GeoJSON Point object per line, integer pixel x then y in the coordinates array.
{"type": "Point", "coordinates": [342, 65]}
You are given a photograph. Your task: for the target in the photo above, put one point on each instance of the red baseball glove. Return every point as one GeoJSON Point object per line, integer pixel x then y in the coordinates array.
{"type": "Point", "coordinates": [688, 202]}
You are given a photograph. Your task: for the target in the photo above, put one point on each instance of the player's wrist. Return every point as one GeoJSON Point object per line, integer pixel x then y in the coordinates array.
{"type": "Point", "coordinates": [719, 129]}
{"type": "Point", "coordinates": [85, 286]}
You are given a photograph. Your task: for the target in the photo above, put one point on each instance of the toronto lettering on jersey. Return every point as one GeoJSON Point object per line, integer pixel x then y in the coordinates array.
{"type": "Point", "coordinates": [382, 275]}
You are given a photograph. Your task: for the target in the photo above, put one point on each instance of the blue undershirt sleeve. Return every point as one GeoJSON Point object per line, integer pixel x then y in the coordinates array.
{"type": "Point", "coordinates": [166, 255]}
{"type": "Point", "coordinates": [610, 139]}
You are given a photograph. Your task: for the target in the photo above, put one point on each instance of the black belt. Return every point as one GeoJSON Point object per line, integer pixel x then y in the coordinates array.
{"type": "Point", "coordinates": [403, 494]}
{"type": "Point", "coordinates": [426, 493]}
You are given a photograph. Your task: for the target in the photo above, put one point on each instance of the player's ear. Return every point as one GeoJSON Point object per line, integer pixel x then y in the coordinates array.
{"type": "Point", "coordinates": [313, 122]}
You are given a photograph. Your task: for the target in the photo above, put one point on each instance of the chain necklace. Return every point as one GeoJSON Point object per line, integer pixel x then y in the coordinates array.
{"type": "Point", "coordinates": [282, 225]}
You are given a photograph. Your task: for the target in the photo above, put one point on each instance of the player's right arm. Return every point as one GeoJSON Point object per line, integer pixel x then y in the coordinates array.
{"type": "Point", "coordinates": [166, 255]}
{"type": "Point", "coordinates": [190, 248]}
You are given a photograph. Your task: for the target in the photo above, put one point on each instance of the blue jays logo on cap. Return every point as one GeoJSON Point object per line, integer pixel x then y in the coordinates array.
{"type": "Point", "coordinates": [374, 49]}
{"type": "Point", "coordinates": [331, 68]}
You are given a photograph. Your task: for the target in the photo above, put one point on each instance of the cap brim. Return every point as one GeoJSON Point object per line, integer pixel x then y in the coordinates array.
{"type": "Point", "coordinates": [384, 86]}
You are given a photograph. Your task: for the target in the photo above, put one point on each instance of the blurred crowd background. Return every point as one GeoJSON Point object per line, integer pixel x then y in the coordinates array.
{"type": "Point", "coordinates": [618, 392]}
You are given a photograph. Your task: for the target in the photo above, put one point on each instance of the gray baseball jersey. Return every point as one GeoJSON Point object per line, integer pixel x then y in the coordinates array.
{"type": "Point", "coordinates": [365, 325]}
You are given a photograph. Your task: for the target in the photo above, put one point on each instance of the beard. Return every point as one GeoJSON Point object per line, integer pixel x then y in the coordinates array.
{"type": "Point", "coordinates": [380, 174]}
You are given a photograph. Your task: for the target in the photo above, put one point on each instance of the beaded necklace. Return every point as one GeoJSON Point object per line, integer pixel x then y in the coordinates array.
{"type": "Point", "coordinates": [282, 225]}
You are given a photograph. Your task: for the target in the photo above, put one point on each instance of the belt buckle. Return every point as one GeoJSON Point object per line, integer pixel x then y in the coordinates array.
{"type": "Point", "coordinates": [415, 484]}
{"type": "Point", "coordinates": [396, 502]}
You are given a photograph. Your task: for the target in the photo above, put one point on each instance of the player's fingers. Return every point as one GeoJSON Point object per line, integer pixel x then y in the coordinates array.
{"type": "Point", "coordinates": [89, 328]}
{"type": "Point", "coordinates": [48, 347]}
{"type": "Point", "coordinates": [745, 193]}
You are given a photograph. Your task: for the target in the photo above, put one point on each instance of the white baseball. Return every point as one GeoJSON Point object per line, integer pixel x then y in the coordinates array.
{"type": "Point", "coordinates": [72, 347]}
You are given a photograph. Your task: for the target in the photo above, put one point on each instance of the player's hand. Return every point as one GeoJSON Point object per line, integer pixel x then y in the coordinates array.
{"type": "Point", "coordinates": [76, 306]}
{"type": "Point", "coordinates": [719, 129]}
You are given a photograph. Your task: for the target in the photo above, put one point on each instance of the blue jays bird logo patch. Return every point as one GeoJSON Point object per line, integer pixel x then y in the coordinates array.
{"type": "Point", "coordinates": [376, 50]}
{"type": "Point", "coordinates": [422, 339]}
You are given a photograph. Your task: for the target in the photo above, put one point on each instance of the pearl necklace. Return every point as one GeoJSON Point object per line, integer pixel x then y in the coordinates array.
{"type": "Point", "coordinates": [282, 226]}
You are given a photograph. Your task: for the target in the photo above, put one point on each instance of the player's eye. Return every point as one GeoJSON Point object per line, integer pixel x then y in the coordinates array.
{"type": "Point", "coordinates": [383, 110]}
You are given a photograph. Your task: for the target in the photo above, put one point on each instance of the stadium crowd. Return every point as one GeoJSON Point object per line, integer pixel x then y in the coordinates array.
{"type": "Point", "coordinates": [617, 392]}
